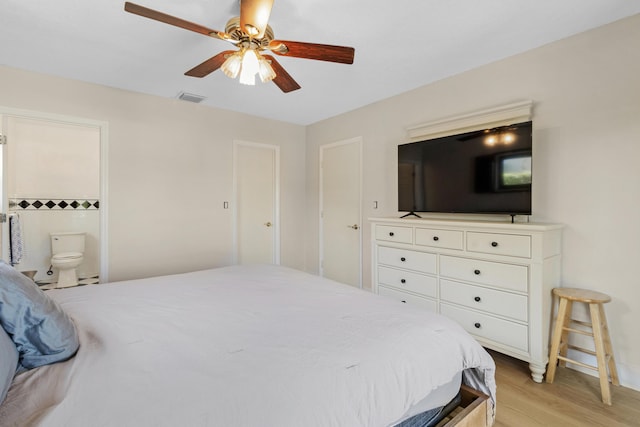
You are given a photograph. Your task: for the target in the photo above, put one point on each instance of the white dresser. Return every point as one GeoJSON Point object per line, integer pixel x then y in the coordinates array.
{"type": "Point", "coordinates": [494, 278]}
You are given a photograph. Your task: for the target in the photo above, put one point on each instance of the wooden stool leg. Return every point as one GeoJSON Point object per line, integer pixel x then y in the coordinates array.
{"type": "Point", "coordinates": [564, 340]}
{"type": "Point", "coordinates": [613, 371]}
{"type": "Point", "coordinates": [596, 322]}
{"type": "Point", "coordinates": [555, 340]}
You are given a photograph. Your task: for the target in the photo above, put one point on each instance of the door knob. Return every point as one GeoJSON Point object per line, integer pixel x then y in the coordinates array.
{"type": "Point", "coordinates": [354, 226]}
{"type": "Point", "coordinates": [268, 224]}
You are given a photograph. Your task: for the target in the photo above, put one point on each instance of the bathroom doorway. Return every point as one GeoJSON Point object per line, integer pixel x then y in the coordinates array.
{"type": "Point", "coordinates": [54, 170]}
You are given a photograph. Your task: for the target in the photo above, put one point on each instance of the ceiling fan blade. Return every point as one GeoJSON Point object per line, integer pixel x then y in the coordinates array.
{"type": "Point", "coordinates": [172, 20]}
{"type": "Point", "coordinates": [283, 80]}
{"type": "Point", "coordinates": [210, 65]}
{"type": "Point", "coordinates": [322, 52]}
{"type": "Point", "coordinates": [254, 16]}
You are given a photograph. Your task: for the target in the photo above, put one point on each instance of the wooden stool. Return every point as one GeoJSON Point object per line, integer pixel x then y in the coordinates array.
{"type": "Point", "coordinates": [599, 332]}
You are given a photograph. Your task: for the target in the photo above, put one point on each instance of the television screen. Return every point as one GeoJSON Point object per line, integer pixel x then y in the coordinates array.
{"type": "Point", "coordinates": [485, 171]}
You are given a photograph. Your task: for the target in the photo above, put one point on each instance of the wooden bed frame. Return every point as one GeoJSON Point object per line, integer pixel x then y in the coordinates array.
{"type": "Point", "coordinates": [474, 411]}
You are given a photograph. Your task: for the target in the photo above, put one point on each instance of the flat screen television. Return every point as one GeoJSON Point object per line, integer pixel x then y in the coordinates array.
{"type": "Point", "coordinates": [482, 172]}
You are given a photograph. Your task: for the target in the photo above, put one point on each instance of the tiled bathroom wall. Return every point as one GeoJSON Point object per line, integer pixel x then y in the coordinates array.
{"type": "Point", "coordinates": [53, 185]}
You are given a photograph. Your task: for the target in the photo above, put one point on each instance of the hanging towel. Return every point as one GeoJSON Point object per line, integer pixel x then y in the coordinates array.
{"type": "Point", "coordinates": [16, 245]}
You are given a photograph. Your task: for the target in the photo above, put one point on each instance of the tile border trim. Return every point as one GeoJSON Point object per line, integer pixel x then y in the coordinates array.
{"type": "Point", "coordinates": [54, 204]}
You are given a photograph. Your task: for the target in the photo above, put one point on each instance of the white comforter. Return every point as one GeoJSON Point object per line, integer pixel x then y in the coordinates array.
{"type": "Point", "coordinates": [243, 346]}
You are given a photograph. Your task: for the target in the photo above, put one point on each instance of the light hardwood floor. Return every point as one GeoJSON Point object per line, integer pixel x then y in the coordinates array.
{"type": "Point", "coordinates": [572, 400]}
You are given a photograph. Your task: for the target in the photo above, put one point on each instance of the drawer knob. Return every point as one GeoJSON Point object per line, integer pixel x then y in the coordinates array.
{"type": "Point", "coordinates": [403, 281]}
{"type": "Point", "coordinates": [477, 325]}
{"type": "Point", "coordinates": [494, 244]}
{"type": "Point", "coordinates": [476, 272]}
{"type": "Point", "coordinates": [436, 238]}
{"type": "Point", "coordinates": [403, 259]}
{"type": "Point", "coordinates": [391, 233]}
{"type": "Point", "coordinates": [477, 299]}
{"type": "Point", "coordinates": [403, 301]}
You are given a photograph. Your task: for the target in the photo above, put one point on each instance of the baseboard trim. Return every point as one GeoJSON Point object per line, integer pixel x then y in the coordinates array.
{"type": "Point", "coordinates": [629, 375]}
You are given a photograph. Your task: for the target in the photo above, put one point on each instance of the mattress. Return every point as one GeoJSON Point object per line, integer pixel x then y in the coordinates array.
{"type": "Point", "coordinates": [246, 346]}
{"type": "Point", "coordinates": [436, 399]}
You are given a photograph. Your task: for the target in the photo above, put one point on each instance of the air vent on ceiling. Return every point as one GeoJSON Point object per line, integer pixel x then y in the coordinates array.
{"type": "Point", "coordinates": [191, 97]}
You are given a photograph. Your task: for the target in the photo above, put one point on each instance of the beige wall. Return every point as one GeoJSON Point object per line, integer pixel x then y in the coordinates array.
{"type": "Point", "coordinates": [170, 170]}
{"type": "Point", "coordinates": [586, 94]}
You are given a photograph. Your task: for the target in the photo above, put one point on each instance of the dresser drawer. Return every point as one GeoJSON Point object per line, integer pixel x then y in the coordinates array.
{"type": "Point", "coordinates": [412, 260]}
{"type": "Point", "coordinates": [499, 244]}
{"type": "Point", "coordinates": [408, 281]}
{"type": "Point", "coordinates": [408, 298]}
{"type": "Point", "coordinates": [496, 274]}
{"type": "Point", "coordinates": [492, 301]}
{"type": "Point", "coordinates": [448, 239]}
{"type": "Point", "coordinates": [392, 233]}
{"type": "Point", "coordinates": [484, 326]}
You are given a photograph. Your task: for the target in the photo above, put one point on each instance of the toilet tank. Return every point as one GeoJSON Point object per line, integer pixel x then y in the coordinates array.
{"type": "Point", "coordinates": [67, 242]}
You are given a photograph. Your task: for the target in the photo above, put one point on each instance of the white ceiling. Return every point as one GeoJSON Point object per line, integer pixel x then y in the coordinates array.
{"type": "Point", "coordinates": [400, 45]}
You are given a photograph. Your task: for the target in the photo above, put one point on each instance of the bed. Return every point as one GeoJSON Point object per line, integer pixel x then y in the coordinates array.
{"type": "Point", "coordinates": [245, 346]}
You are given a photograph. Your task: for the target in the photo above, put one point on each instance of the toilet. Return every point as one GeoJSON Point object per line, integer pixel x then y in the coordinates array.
{"type": "Point", "coordinates": [67, 253]}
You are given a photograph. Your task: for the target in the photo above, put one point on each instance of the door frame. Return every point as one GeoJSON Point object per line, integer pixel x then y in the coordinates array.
{"type": "Point", "coordinates": [276, 197]}
{"type": "Point", "coordinates": [355, 140]}
{"type": "Point", "coordinates": [103, 126]}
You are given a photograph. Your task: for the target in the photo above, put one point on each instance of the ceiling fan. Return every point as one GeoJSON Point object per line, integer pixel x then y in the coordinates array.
{"type": "Point", "coordinates": [251, 35]}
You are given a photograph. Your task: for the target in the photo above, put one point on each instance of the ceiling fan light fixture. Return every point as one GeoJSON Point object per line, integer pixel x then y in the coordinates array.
{"type": "Point", "coordinates": [265, 72]}
{"type": "Point", "coordinates": [247, 63]}
{"type": "Point", "coordinates": [231, 67]}
{"type": "Point", "coordinates": [250, 67]}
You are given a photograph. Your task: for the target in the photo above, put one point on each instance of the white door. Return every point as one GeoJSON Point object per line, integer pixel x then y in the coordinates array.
{"type": "Point", "coordinates": [256, 197]}
{"type": "Point", "coordinates": [340, 211]}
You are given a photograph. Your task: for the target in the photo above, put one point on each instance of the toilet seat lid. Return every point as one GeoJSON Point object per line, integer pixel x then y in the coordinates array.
{"type": "Point", "coordinates": [67, 255]}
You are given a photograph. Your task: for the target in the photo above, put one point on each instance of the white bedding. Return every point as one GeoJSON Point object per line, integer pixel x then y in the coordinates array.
{"type": "Point", "coordinates": [243, 346]}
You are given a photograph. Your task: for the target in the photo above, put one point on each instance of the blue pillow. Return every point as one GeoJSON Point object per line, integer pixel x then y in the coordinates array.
{"type": "Point", "coordinates": [41, 331]}
{"type": "Point", "coordinates": [8, 363]}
